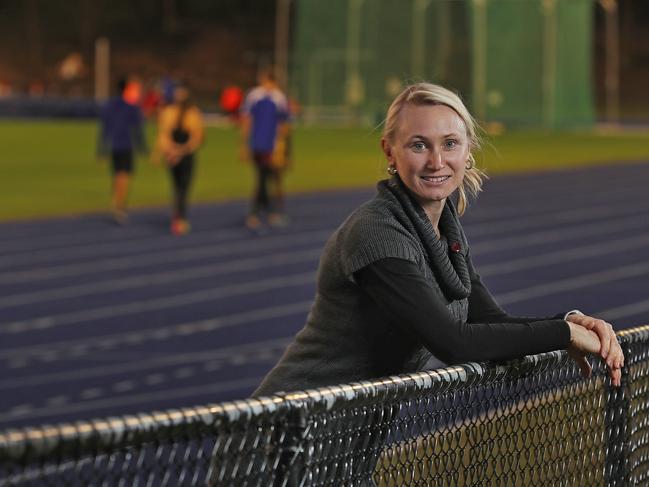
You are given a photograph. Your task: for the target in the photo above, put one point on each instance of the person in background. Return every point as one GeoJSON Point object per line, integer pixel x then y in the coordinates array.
{"type": "Point", "coordinates": [280, 161]}
{"type": "Point", "coordinates": [120, 135]}
{"type": "Point", "coordinates": [397, 290]}
{"type": "Point", "coordinates": [264, 122]}
{"type": "Point", "coordinates": [180, 133]}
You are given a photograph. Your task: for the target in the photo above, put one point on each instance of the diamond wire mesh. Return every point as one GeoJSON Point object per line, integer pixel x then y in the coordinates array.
{"type": "Point", "coordinates": [528, 422]}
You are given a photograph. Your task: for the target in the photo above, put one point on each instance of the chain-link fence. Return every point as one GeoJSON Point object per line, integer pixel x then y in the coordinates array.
{"type": "Point", "coordinates": [533, 421]}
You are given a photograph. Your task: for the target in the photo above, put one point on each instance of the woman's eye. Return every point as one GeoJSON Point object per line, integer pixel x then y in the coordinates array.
{"type": "Point", "coordinates": [418, 146]}
{"type": "Point", "coordinates": [450, 143]}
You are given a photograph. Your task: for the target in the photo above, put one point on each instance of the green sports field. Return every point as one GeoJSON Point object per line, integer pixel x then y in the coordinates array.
{"type": "Point", "coordinates": [50, 168]}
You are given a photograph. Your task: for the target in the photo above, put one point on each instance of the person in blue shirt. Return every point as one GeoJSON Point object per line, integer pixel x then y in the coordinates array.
{"type": "Point", "coordinates": [264, 122]}
{"type": "Point", "coordinates": [121, 134]}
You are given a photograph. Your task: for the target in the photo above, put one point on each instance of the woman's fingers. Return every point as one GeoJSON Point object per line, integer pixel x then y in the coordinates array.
{"type": "Point", "coordinates": [577, 354]}
{"type": "Point", "coordinates": [606, 334]}
{"type": "Point", "coordinates": [616, 377]}
{"type": "Point", "coordinates": [596, 336]}
{"type": "Point", "coordinates": [616, 357]}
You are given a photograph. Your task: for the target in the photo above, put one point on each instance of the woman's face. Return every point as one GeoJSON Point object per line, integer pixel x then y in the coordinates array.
{"type": "Point", "coordinates": [430, 151]}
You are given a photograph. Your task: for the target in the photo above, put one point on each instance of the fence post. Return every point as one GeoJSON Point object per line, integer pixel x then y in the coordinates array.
{"type": "Point", "coordinates": [616, 424]}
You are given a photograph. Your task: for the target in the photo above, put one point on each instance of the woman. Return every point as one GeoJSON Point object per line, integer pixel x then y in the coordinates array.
{"type": "Point", "coordinates": [180, 134]}
{"type": "Point", "coordinates": [396, 282]}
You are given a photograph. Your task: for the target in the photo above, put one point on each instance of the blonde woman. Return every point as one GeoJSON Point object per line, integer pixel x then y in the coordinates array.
{"type": "Point", "coordinates": [397, 290]}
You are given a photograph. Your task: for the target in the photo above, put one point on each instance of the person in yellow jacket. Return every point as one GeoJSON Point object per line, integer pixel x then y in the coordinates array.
{"type": "Point", "coordinates": [180, 133]}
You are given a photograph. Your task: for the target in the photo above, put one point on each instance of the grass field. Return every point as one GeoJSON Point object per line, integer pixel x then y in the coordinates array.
{"type": "Point", "coordinates": [49, 167]}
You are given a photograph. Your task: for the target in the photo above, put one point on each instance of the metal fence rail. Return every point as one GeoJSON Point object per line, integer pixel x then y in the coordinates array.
{"type": "Point", "coordinates": [527, 422]}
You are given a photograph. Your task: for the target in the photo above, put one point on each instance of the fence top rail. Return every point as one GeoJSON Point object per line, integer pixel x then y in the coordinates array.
{"type": "Point", "coordinates": [103, 435]}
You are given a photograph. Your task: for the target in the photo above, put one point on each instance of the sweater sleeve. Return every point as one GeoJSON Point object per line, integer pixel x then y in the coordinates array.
{"type": "Point", "coordinates": [483, 308]}
{"type": "Point", "coordinates": [368, 239]}
{"type": "Point", "coordinates": [400, 291]}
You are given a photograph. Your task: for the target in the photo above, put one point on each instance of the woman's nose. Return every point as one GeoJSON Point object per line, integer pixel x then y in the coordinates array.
{"type": "Point", "coordinates": [435, 160]}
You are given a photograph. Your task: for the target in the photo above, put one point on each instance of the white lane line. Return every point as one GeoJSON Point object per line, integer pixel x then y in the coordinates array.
{"type": "Point", "coordinates": [541, 205]}
{"type": "Point", "coordinates": [123, 386]}
{"type": "Point", "coordinates": [139, 231]}
{"type": "Point", "coordinates": [91, 393]}
{"type": "Point", "coordinates": [570, 284]}
{"type": "Point", "coordinates": [578, 215]}
{"type": "Point", "coordinates": [201, 391]}
{"type": "Point", "coordinates": [161, 278]}
{"type": "Point", "coordinates": [17, 363]}
{"type": "Point", "coordinates": [212, 365]}
{"type": "Point", "coordinates": [55, 401]}
{"type": "Point", "coordinates": [95, 250]}
{"type": "Point", "coordinates": [217, 355]}
{"type": "Point", "coordinates": [557, 235]}
{"type": "Point", "coordinates": [182, 329]}
{"type": "Point", "coordinates": [94, 236]}
{"type": "Point", "coordinates": [227, 291]}
{"type": "Point", "coordinates": [561, 256]}
{"type": "Point", "coordinates": [184, 372]}
{"type": "Point", "coordinates": [560, 181]}
{"type": "Point", "coordinates": [154, 379]}
{"type": "Point", "coordinates": [624, 311]}
{"type": "Point", "coordinates": [165, 258]}
{"type": "Point", "coordinates": [20, 410]}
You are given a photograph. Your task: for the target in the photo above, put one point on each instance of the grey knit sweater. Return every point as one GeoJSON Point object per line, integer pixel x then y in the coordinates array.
{"type": "Point", "coordinates": [346, 338]}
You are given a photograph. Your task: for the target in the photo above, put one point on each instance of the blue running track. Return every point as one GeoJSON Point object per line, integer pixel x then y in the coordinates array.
{"type": "Point", "coordinates": [99, 320]}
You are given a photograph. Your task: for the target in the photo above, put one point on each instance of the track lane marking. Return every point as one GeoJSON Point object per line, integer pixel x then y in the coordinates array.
{"type": "Point", "coordinates": [237, 319]}
{"type": "Point", "coordinates": [219, 292]}
{"type": "Point", "coordinates": [161, 278]}
{"type": "Point", "coordinates": [164, 258]}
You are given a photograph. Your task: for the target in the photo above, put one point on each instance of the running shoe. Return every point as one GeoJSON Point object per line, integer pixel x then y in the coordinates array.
{"type": "Point", "coordinates": [180, 226]}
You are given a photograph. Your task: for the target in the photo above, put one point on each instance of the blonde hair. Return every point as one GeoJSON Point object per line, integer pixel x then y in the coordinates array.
{"type": "Point", "coordinates": [430, 94]}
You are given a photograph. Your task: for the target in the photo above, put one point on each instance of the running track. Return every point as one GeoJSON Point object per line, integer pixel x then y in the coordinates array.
{"type": "Point", "coordinates": [98, 320]}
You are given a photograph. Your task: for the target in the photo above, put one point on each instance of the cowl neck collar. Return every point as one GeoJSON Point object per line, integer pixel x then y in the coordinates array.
{"type": "Point", "coordinates": [446, 257]}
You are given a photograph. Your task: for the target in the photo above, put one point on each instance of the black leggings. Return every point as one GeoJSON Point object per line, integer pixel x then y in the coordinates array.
{"type": "Point", "coordinates": [261, 200]}
{"type": "Point", "coordinates": [181, 175]}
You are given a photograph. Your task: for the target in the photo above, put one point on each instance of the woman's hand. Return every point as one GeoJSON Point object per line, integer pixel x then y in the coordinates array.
{"type": "Point", "coordinates": [594, 337]}
{"type": "Point", "coordinates": [174, 154]}
{"type": "Point", "coordinates": [610, 349]}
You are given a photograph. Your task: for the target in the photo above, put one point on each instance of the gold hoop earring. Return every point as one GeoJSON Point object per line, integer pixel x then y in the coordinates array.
{"type": "Point", "coordinates": [392, 170]}
{"type": "Point", "coordinates": [470, 162]}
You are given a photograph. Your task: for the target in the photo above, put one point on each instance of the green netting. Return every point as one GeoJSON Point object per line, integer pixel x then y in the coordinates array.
{"type": "Point", "coordinates": [516, 61]}
{"type": "Point", "coordinates": [351, 57]}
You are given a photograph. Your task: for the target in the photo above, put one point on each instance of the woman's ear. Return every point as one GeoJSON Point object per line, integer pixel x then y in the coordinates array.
{"type": "Point", "coordinates": [387, 150]}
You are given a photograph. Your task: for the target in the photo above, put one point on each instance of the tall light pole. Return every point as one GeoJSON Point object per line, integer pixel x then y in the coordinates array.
{"type": "Point", "coordinates": [612, 76]}
{"type": "Point", "coordinates": [354, 90]}
{"type": "Point", "coordinates": [549, 73]}
{"type": "Point", "coordinates": [418, 50]}
{"type": "Point", "coordinates": [282, 26]}
{"type": "Point", "coordinates": [479, 101]}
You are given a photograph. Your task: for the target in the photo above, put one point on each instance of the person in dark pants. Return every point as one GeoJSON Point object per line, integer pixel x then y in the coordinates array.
{"type": "Point", "coordinates": [264, 121]}
{"type": "Point", "coordinates": [120, 134]}
{"type": "Point", "coordinates": [180, 134]}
